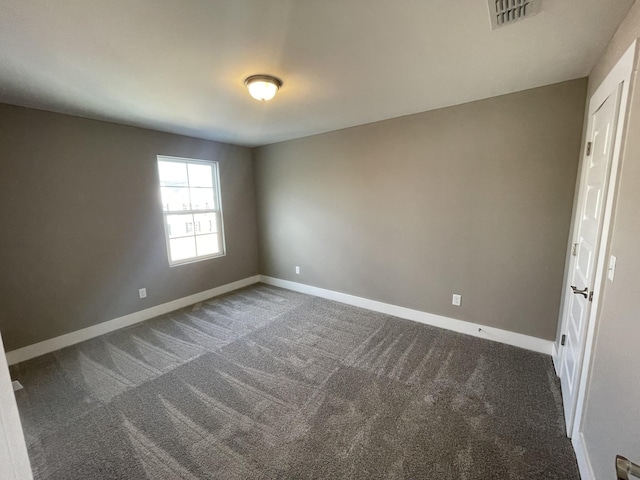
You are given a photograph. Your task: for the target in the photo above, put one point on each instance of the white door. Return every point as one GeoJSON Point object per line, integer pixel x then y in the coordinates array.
{"type": "Point", "coordinates": [593, 193]}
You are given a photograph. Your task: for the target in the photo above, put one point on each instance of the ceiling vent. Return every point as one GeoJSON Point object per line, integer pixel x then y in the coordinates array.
{"type": "Point", "coordinates": [506, 12]}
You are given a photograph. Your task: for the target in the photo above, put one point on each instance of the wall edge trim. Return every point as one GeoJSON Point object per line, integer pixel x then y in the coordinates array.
{"type": "Point", "coordinates": [72, 338]}
{"type": "Point", "coordinates": [527, 342]}
{"type": "Point", "coordinates": [582, 457]}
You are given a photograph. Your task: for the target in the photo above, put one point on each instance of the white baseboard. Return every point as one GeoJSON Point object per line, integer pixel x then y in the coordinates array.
{"type": "Point", "coordinates": [490, 333]}
{"type": "Point", "coordinates": [482, 331]}
{"type": "Point", "coordinates": [53, 344]}
{"type": "Point", "coordinates": [584, 464]}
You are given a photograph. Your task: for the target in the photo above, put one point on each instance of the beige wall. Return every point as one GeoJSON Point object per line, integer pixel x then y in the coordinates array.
{"type": "Point", "coordinates": [82, 228]}
{"type": "Point", "coordinates": [611, 423]}
{"type": "Point", "coordinates": [474, 199]}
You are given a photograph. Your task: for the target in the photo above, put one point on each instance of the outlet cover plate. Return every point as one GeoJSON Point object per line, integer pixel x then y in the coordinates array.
{"type": "Point", "coordinates": [611, 271]}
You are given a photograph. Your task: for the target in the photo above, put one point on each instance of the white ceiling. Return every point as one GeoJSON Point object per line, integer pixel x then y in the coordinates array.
{"type": "Point", "coordinates": [179, 66]}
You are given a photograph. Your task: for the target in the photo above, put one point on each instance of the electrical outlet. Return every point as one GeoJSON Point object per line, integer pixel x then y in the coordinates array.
{"type": "Point", "coordinates": [456, 300]}
{"type": "Point", "coordinates": [142, 292]}
{"type": "Point", "coordinates": [297, 270]}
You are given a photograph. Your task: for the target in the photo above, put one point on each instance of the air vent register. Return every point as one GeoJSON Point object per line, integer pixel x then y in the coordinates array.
{"type": "Point", "coordinates": [506, 12]}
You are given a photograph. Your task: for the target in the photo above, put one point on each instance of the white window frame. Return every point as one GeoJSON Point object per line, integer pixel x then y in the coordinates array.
{"type": "Point", "coordinates": [215, 171]}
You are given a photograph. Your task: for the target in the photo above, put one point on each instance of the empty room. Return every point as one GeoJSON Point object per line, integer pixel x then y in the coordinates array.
{"type": "Point", "coordinates": [297, 239]}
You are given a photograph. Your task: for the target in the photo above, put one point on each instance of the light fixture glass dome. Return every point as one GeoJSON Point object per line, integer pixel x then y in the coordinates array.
{"type": "Point", "coordinates": [263, 87]}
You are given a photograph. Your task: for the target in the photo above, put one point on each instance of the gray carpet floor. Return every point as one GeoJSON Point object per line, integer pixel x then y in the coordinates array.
{"type": "Point", "coordinates": [265, 383]}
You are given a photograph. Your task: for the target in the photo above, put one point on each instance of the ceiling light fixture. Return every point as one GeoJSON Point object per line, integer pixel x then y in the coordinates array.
{"type": "Point", "coordinates": [263, 87]}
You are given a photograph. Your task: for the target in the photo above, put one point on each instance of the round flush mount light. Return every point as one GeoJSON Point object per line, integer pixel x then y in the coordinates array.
{"type": "Point", "coordinates": [263, 87]}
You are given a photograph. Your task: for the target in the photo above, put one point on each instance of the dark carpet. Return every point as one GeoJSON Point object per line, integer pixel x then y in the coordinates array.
{"type": "Point", "coordinates": [264, 383]}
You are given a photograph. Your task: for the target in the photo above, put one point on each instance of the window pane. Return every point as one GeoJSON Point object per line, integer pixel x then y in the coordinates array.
{"type": "Point", "coordinates": [202, 199]}
{"type": "Point", "coordinates": [208, 244]}
{"type": "Point", "coordinates": [180, 225]}
{"type": "Point", "coordinates": [200, 175]}
{"type": "Point", "coordinates": [205, 223]}
{"type": "Point", "coordinates": [174, 198]}
{"type": "Point", "coordinates": [188, 186]}
{"type": "Point", "coordinates": [182, 248]}
{"type": "Point", "coordinates": [173, 174]}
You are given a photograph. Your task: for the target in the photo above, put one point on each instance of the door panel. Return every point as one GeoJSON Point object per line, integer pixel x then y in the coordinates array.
{"type": "Point", "coordinates": [584, 263]}
{"type": "Point", "coordinates": [592, 206]}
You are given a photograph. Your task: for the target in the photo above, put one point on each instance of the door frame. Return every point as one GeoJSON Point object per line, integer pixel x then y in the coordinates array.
{"type": "Point", "coordinates": [13, 450]}
{"type": "Point", "coordinates": [619, 76]}
{"type": "Point", "coordinates": [593, 283]}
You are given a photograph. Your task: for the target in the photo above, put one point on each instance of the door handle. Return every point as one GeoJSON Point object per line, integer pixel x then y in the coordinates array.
{"type": "Point", "coordinates": [584, 292]}
{"type": "Point", "coordinates": [624, 468]}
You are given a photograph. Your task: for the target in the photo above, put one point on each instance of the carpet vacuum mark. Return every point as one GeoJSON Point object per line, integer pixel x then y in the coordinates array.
{"type": "Point", "coordinates": [265, 383]}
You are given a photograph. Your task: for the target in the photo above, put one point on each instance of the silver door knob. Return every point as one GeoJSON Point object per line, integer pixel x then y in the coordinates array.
{"type": "Point", "coordinates": [624, 468]}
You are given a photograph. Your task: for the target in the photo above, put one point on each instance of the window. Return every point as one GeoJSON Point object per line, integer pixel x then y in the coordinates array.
{"type": "Point", "coordinates": [190, 192]}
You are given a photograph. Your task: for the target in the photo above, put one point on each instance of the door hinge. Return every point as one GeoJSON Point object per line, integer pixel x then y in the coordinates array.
{"type": "Point", "coordinates": [589, 148]}
{"type": "Point", "coordinates": [563, 340]}
{"type": "Point", "coordinates": [574, 249]}
{"type": "Point", "coordinates": [591, 296]}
